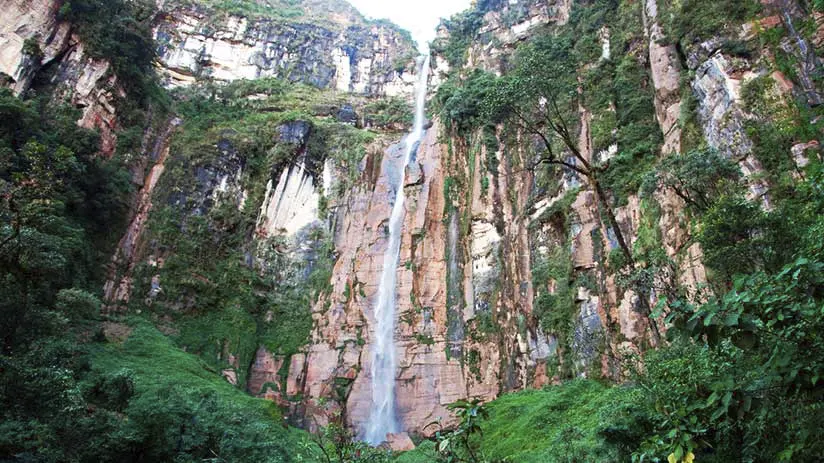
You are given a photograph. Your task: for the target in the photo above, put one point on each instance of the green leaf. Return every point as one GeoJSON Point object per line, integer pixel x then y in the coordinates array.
{"type": "Point", "coordinates": [731, 319]}
{"type": "Point", "coordinates": [727, 399]}
{"type": "Point", "coordinates": [708, 319]}
{"type": "Point", "coordinates": [443, 445]}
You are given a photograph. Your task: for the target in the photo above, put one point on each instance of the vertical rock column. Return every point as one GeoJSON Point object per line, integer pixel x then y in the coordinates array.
{"type": "Point", "coordinates": [666, 74]}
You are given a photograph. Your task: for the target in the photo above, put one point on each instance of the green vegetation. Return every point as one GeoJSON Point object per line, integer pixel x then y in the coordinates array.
{"type": "Point", "coordinates": [56, 196]}
{"type": "Point", "coordinates": [31, 48]}
{"type": "Point", "coordinates": [556, 310]}
{"type": "Point", "coordinates": [67, 394]}
{"type": "Point", "coordinates": [457, 442]}
{"type": "Point", "coordinates": [689, 20]}
{"type": "Point", "coordinates": [387, 113]}
{"type": "Point", "coordinates": [569, 423]}
{"type": "Point", "coordinates": [579, 421]}
{"type": "Point", "coordinates": [737, 376]}
{"type": "Point", "coordinates": [144, 400]}
{"type": "Point", "coordinates": [461, 103]}
{"type": "Point", "coordinates": [284, 10]}
{"type": "Point", "coordinates": [182, 410]}
{"type": "Point", "coordinates": [462, 29]}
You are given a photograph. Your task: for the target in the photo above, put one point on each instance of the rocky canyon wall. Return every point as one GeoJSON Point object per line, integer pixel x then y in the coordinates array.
{"type": "Point", "coordinates": [36, 39]}
{"type": "Point", "coordinates": [480, 234]}
{"type": "Point", "coordinates": [505, 279]}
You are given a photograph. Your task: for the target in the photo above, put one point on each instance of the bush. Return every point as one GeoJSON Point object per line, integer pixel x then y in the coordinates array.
{"type": "Point", "coordinates": [463, 105]}
{"type": "Point", "coordinates": [31, 48]}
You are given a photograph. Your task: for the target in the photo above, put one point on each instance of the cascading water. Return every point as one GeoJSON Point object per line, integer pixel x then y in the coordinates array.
{"type": "Point", "coordinates": [382, 419]}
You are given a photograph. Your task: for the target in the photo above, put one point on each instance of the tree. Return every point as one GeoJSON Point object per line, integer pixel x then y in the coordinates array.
{"type": "Point", "coordinates": [542, 97]}
{"type": "Point", "coordinates": [746, 376]}
{"type": "Point", "coordinates": [698, 177]}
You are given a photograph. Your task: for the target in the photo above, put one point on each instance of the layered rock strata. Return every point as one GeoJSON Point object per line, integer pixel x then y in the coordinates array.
{"type": "Point", "coordinates": [360, 57]}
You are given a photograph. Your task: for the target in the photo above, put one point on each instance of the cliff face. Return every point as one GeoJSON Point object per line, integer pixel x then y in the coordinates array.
{"type": "Point", "coordinates": [34, 39]}
{"type": "Point", "coordinates": [29, 23]}
{"type": "Point", "coordinates": [464, 297]}
{"type": "Point", "coordinates": [505, 279]}
{"type": "Point", "coordinates": [362, 58]}
{"type": "Point", "coordinates": [491, 249]}
{"type": "Point", "coordinates": [476, 260]}
{"type": "Point", "coordinates": [197, 43]}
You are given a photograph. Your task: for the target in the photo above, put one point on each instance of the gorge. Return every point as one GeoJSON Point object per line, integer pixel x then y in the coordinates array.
{"type": "Point", "coordinates": [278, 230]}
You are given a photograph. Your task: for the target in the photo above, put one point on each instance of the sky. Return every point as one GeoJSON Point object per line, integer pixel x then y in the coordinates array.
{"type": "Point", "coordinates": [420, 17]}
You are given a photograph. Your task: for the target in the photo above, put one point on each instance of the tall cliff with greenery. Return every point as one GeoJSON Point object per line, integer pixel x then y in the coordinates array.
{"type": "Point", "coordinates": [673, 210]}
{"type": "Point", "coordinates": [612, 249]}
{"type": "Point", "coordinates": [87, 129]}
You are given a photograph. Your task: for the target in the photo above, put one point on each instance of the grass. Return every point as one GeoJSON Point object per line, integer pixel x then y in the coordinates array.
{"type": "Point", "coordinates": [555, 424]}
{"type": "Point", "coordinates": [180, 400]}
{"type": "Point", "coordinates": [582, 420]}
{"type": "Point", "coordinates": [158, 364]}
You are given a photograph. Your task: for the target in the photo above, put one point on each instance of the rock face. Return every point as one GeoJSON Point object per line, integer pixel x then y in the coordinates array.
{"type": "Point", "coordinates": [479, 231]}
{"type": "Point", "coordinates": [445, 289]}
{"type": "Point", "coordinates": [340, 353]}
{"type": "Point", "coordinates": [352, 56]}
{"type": "Point", "coordinates": [511, 22]}
{"type": "Point", "coordinates": [291, 203]}
{"type": "Point", "coordinates": [400, 442]}
{"type": "Point", "coordinates": [33, 38]}
{"type": "Point", "coordinates": [118, 287]}
{"type": "Point", "coordinates": [88, 83]}
{"type": "Point", "coordinates": [503, 26]}
{"type": "Point", "coordinates": [29, 26]}
{"type": "Point", "coordinates": [665, 70]}
{"type": "Point", "coordinates": [465, 318]}
{"type": "Point", "coordinates": [717, 86]}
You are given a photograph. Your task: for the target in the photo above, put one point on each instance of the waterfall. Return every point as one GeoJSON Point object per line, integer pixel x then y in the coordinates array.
{"type": "Point", "coordinates": [382, 416]}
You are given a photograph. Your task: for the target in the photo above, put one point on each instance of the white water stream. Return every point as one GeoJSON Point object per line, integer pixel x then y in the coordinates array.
{"type": "Point", "coordinates": [382, 415]}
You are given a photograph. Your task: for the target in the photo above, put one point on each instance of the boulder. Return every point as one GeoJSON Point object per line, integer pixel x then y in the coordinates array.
{"type": "Point", "coordinates": [399, 442]}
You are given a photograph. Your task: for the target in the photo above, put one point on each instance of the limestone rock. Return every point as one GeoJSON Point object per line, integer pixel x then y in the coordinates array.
{"type": "Point", "coordinates": [800, 152]}
{"type": "Point", "coordinates": [512, 22]}
{"type": "Point", "coordinates": [666, 79]}
{"type": "Point", "coordinates": [291, 204]}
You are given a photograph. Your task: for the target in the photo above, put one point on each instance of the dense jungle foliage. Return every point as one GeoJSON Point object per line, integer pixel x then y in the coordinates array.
{"type": "Point", "coordinates": [740, 372]}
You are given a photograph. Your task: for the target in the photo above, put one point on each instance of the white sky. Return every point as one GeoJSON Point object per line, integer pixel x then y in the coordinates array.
{"type": "Point", "coordinates": [420, 17]}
